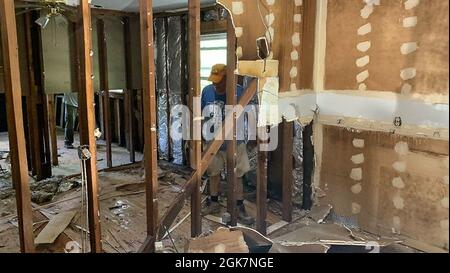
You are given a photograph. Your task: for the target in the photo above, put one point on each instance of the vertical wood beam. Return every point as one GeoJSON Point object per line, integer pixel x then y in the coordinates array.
{"type": "Point", "coordinates": [194, 94]}
{"type": "Point", "coordinates": [129, 96]}
{"type": "Point", "coordinates": [13, 94]}
{"type": "Point", "coordinates": [52, 128]}
{"type": "Point", "coordinates": [231, 138]}
{"type": "Point", "coordinates": [261, 186]}
{"type": "Point", "coordinates": [149, 107]}
{"type": "Point", "coordinates": [287, 166]}
{"type": "Point", "coordinates": [87, 122]}
{"type": "Point", "coordinates": [308, 166]}
{"type": "Point", "coordinates": [33, 121]}
{"type": "Point", "coordinates": [104, 86]}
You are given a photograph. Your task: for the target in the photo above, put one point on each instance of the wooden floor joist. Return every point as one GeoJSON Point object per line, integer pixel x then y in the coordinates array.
{"type": "Point", "coordinates": [231, 138]}
{"type": "Point", "coordinates": [149, 107]}
{"type": "Point", "coordinates": [194, 95]}
{"type": "Point", "coordinates": [104, 87]}
{"type": "Point", "coordinates": [87, 122]}
{"type": "Point", "coordinates": [16, 132]}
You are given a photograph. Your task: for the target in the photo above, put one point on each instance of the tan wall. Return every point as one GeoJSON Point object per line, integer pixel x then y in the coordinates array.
{"type": "Point", "coordinates": [387, 36]}
{"type": "Point", "coordinates": [402, 187]}
{"type": "Point", "coordinates": [288, 36]}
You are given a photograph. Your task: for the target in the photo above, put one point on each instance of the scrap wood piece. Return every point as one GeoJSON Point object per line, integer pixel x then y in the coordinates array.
{"type": "Point", "coordinates": [54, 228]}
{"type": "Point", "coordinates": [320, 213]}
{"type": "Point", "coordinates": [256, 242]}
{"type": "Point", "coordinates": [251, 210]}
{"type": "Point", "coordinates": [271, 229]}
{"type": "Point", "coordinates": [171, 214]}
{"type": "Point", "coordinates": [306, 248]}
{"type": "Point", "coordinates": [218, 220]}
{"type": "Point", "coordinates": [221, 241]}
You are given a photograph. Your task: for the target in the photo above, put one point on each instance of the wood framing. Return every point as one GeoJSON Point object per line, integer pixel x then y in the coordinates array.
{"type": "Point", "coordinates": [261, 185]}
{"type": "Point", "coordinates": [104, 87]}
{"type": "Point", "coordinates": [16, 132]}
{"type": "Point", "coordinates": [130, 127]}
{"type": "Point", "coordinates": [308, 166]}
{"type": "Point", "coordinates": [231, 138]}
{"type": "Point", "coordinates": [87, 122]}
{"type": "Point", "coordinates": [194, 95]}
{"type": "Point", "coordinates": [287, 167]}
{"type": "Point", "coordinates": [50, 99]}
{"type": "Point", "coordinates": [149, 107]}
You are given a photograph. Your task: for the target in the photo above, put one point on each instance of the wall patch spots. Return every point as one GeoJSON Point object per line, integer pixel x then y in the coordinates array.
{"type": "Point", "coordinates": [356, 174]}
{"type": "Point", "coordinates": [410, 4]}
{"type": "Point", "coordinates": [297, 18]}
{"type": "Point", "coordinates": [356, 189]}
{"type": "Point", "coordinates": [358, 143]}
{"type": "Point", "coordinates": [293, 73]}
{"type": "Point", "coordinates": [398, 183]}
{"type": "Point", "coordinates": [364, 46]}
{"type": "Point", "coordinates": [399, 166]}
{"type": "Point", "coordinates": [408, 73]}
{"type": "Point", "coordinates": [356, 208]}
{"type": "Point", "coordinates": [296, 39]}
{"type": "Point", "coordinates": [399, 202]}
{"type": "Point", "coordinates": [363, 61]}
{"type": "Point", "coordinates": [358, 159]}
{"type": "Point", "coordinates": [401, 148]}
{"type": "Point", "coordinates": [364, 30]}
{"type": "Point", "coordinates": [361, 77]}
{"type": "Point", "coordinates": [237, 8]}
{"type": "Point", "coordinates": [294, 55]}
{"type": "Point", "coordinates": [239, 32]}
{"type": "Point", "coordinates": [408, 48]}
{"type": "Point", "coordinates": [366, 11]}
{"type": "Point", "coordinates": [406, 89]}
{"type": "Point", "coordinates": [410, 22]}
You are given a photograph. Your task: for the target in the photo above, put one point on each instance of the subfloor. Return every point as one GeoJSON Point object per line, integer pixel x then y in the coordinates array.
{"type": "Point", "coordinates": [122, 208]}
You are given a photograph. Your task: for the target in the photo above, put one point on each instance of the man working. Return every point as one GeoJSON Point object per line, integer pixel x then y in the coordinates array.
{"type": "Point", "coordinates": [214, 96]}
{"type": "Point", "coordinates": [71, 103]}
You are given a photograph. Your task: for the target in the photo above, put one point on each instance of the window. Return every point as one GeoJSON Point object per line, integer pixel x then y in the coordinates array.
{"type": "Point", "coordinates": [213, 50]}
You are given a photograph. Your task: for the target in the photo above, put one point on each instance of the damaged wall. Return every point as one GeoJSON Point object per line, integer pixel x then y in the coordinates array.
{"type": "Point", "coordinates": [387, 183]}
{"type": "Point", "coordinates": [288, 26]}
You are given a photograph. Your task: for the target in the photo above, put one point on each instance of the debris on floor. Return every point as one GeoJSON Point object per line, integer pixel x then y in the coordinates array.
{"type": "Point", "coordinates": [221, 241]}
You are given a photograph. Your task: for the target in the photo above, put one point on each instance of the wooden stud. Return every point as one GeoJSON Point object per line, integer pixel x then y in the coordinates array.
{"type": "Point", "coordinates": [104, 87]}
{"type": "Point", "coordinates": [308, 166]}
{"type": "Point", "coordinates": [87, 122]}
{"type": "Point", "coordinates": [287, 167]}
{"type": "Point", "coordinates": [195, 93]}
{"type": "Point", "coordinates": [231, 138]}
{"type": "Point", "coordinates": [52, 128]}
{"type": "Point", "coordinates": [130, 128]}
{"type": "Point", "coordinates": [16, 132]}
{"type": "Point", "coordinates": [33, 121]}
{"type": "Point", "coordinates": [149, 107]}
{"type": "Point", "coordinates": [261, 186]}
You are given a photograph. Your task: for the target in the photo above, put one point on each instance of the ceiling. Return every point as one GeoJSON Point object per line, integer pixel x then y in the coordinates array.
{"type": "Point", "coordinates": [133, 5]}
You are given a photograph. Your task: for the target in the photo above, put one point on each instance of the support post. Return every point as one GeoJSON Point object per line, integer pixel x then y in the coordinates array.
{"type": "Point", "coordinates": [129, 94]}
{"type": "Point", "coordinates": [149, 107]}
{"type": "Point", "coordinates": [52, 128]}
{"type": "Point", "coordinates": [231, 138]}
{"type": "Point", "coordinates": [13, 94]}
{"type": "Point", "coordinates": [87, 122]}
{"type": "Point", "coordinates": [287, 167]}
{"type": "Point", "coordinates": [104, 87]}
{"type": "Point", "coordinates": [194, 94]}
{"type": "Point", "coordinates": [261, 186]}
{"type": "Point", "coordinates": [308, 166]}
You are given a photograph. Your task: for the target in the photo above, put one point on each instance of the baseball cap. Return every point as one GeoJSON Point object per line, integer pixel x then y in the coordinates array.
{"type": "Point", "coordinates": [218, 71]}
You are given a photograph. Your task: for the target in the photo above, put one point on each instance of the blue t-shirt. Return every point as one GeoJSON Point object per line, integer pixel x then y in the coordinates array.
{"type": "Point", "coordinates": [210, 97]}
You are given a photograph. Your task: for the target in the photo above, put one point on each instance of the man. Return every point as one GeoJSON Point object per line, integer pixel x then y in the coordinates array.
{"type": "Point", "coordinates": [214, 96]}
{"type": "Point", "coordinates": [71, 106]}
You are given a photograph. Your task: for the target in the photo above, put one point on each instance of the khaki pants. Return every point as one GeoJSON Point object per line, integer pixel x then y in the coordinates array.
{"type": "Point", "coordinates": [219, 162]}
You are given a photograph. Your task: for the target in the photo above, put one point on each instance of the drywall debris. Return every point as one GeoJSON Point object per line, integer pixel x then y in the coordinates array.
{"type": "Point", "coordinates": [54, 228]}
{"type": "Point", "coordinates": [221, 241]}
{"type": "Point", "coordinates": [320, 213]}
